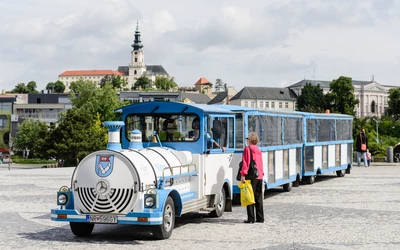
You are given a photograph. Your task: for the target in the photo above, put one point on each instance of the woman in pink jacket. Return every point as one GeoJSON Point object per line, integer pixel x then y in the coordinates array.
{"type": "Point", "coordinates": [257, 183]}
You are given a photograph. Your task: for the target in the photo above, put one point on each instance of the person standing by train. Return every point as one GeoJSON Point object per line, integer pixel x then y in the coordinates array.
{"type": "Point", "coordinates": [257, 183]}
{"type": "Point", "coordinates": [361, 148]}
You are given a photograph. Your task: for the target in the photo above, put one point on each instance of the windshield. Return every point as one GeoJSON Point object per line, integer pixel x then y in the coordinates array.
{"type": "Point", "coordinates": [169, 127]}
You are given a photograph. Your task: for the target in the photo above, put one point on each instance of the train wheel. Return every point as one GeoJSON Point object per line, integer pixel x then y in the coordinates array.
{"type": "Point", "coordinates": [310, 179]}
{"type": "Point", "coordinates": [288, 187]}
{"type": "Point", "coordinates": [164, 231]}
{"type": "Point", "coordinates": [296, 183]}
{"type": "Point", "coordinates": [341, 173]}
{"type": "Point", "coordinates": [81, 229]}
{"type": "Point", "coordinates": [220, 207]}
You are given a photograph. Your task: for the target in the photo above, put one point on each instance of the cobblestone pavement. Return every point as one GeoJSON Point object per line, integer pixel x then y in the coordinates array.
{"type": "Point", "coordinates": [359, 211]}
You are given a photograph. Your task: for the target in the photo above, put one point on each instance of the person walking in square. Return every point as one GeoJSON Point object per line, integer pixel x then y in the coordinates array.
{"type": "Point", "coordinates": [361, 148]}
{"type": "Point", "coordinates": [368, 158]}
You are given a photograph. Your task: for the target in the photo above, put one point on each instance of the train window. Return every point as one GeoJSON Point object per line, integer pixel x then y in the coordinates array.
{"type": "Point", "coordinates": [239, 131]}
{"type": "Point", "coordinates": [270, 131]}
{"type": "Point", "coordinates": [168, 127]}
{"type": "Point", "coordinates": [311, 130]}
{"type": "Point", "coordinates": [325, 130]}
{"type": "Point", "coordinates": [347, 130]}
{"type": "Point", "coordinates": [224, 135]}
{"type": "Point", "coordinates": [339, 129]}
{"type": "Point", "coordinates": [230, 132]}
{"type": "Point", "coordinates": [299, 131]}
{"type": "Point", "coordinates": [293, 130]}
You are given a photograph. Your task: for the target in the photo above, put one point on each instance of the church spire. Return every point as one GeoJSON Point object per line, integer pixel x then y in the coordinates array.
{"type": "Point", "coordinates": [137, 43]}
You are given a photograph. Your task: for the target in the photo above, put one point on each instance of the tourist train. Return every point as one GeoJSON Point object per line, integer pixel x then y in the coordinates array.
{"type": "Point", "coordinates": [166, 159]}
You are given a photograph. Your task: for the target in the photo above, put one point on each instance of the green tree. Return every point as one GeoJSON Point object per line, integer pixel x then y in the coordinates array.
{"type": "Point", "coordinates": [96, 100]}
{"type": "Point", "coordinates": [163, 83]}
{"type": "Point", "coordinates": [80, 130]}
{"type": "Point", "coordinates": [50, 86]}
{"type": "Point", "coordinates": [75, 85]}
{"type": "Point", "coordinates": [219, 85]}
{"type": "Point", "coordinates": [32, 87]}
{"type": "Point", "coordinates": [77, 135]}
{"type": "Point", "coordinates": [20, 88]}
{"type": "Point", "coordinates": [31, 135]}
{"type": "Point", "coordinates": [311, 99]}
{"type": "Point", "coordinates": [341, 96]}
{"type": "Point", "coordinates": [116, 81]}
{"type": "Point", "coordinates": [142, 82]}
{"type": "Point", "coordinates": [104, 80]}
{"type": "Point", "coordinates": [394, 103]}
{"type": "Point", "coordinates": [59, 87]}
{"type": "Point", "coordinates": [56, 87]}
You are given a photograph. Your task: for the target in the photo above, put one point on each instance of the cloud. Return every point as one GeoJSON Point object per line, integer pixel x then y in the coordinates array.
{"type": "Point", "coordinates": [72, 41]}
{"type": "Point", "coordinates": [265, 43]}
{"type": "Point", "coordinates": [275, 63]}
{"type": "Point", "coordinates": [164, 21]}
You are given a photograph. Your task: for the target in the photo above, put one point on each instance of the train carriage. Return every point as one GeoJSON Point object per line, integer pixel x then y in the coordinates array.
{"type": "Point", "coordinates": [328, 145]}
{"type": "Point", "coordinates": [160, 169]}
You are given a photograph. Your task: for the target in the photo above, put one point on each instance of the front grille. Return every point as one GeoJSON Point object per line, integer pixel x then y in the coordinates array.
{"type": "Point", "coordinates": [117, 200]}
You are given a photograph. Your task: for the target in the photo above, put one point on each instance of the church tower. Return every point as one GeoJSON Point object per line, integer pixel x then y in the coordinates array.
{"type": "Point", "coordinates": [136, 66]}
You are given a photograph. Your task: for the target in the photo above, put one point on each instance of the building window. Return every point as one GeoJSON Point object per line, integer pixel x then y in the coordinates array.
{"type": "Point", "coordinates": [135, 59]}
{"type": "Point", "coordinates": [252, 104]}
{"type": "Point", "coordinates": [286, 105]}
{"type": "Point", "coordinates": [135, 72]}
{"type": "Point", "coordinates": [5, 106]}
{"type": "Point", "coordinates": [280, 105]}
{"type": "Point", "coordinates": [261, 105]}
{"type": "Point", "coordinates": [266, 104]}
{"type": "Point", "coordinates": [3, 121]}
{"type": "Point", "coordinates": [273, 105]}
{"type": "Point", "coordinates": [246, 104]}
{"type": "Point", "coordinates": [373, 107]}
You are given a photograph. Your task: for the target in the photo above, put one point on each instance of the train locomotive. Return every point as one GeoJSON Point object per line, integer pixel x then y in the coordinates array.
{"type": "Point", "coordinates": [142, 183]}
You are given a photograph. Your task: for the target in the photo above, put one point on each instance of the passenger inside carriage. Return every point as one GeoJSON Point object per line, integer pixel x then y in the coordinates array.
{"type": "Point", "coordinates": [170, 127]}
{"type": "Point", "coordinates": [211, 143]}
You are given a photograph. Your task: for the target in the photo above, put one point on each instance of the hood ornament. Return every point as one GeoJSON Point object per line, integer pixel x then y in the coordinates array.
{"type": "Point", "coordinates": [101, 187]}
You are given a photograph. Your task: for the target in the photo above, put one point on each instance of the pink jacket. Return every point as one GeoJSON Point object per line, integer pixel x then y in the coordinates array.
{"type": "Point", "coordinates": [256, 156]}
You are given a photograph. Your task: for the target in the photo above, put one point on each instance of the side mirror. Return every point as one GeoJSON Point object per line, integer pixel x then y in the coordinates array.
{"type": "Point", "coordinates": [217, 129]}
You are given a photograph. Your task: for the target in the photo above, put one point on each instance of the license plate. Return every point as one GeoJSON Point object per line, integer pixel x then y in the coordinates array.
{"type": "Point", "coordinates": [108, 219]}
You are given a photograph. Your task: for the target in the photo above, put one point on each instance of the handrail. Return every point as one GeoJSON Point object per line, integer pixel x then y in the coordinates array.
{"type": "Point", "coordinates": [180, 170]}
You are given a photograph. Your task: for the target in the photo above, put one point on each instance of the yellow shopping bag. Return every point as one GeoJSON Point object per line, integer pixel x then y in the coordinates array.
{"type": "Point", "coordinates": [246, 193]}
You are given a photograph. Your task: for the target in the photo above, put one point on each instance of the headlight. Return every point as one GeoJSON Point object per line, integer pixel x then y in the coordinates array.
{"type": "Point", "coordinates": [149, 201]}
{"type": "Point", "coordinates": [62, 199]}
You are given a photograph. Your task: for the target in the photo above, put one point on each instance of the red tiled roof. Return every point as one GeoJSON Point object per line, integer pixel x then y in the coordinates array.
{"type": "Point", "coordinates": [91, 72]}
{"type": "Point", "coordinates": [202, 81]}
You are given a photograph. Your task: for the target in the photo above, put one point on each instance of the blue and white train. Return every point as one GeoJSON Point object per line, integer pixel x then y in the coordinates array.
{"type": "Point", "coordinates": [165, 159]}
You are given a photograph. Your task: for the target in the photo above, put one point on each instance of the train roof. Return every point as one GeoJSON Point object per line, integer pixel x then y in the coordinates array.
{"type": "Point", "coordinates": [179, 107]}
{"type": "Point", "coordinates": [163, 107]}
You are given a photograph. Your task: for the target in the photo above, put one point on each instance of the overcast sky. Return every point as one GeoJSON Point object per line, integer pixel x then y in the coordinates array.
{"type": "Point", "coordinates": [244, 43]}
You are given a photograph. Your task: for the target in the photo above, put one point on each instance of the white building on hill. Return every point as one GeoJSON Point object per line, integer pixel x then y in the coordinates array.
{"type": "Point", "coordinates": [130, 73]}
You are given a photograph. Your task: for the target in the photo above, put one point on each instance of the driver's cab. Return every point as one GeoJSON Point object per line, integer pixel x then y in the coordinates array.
{"type": "Point", "coordinates": [181, 126]}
